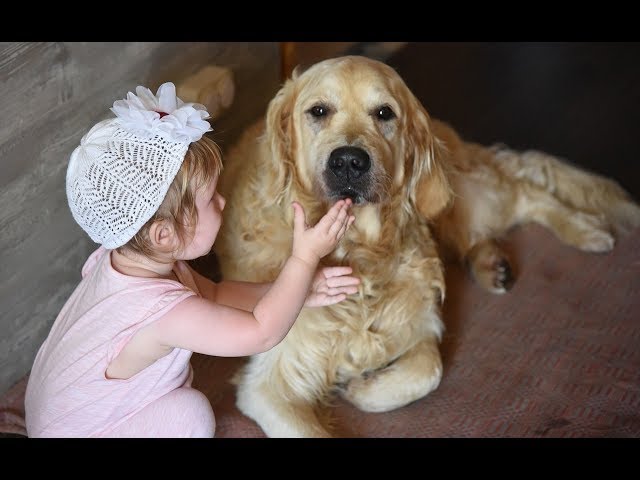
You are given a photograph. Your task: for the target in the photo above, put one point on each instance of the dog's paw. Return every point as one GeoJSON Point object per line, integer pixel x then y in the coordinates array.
{"type": "Point", "coordinates": [497, 278]}
{"type": "Point", "coordinates": [591, 234]}
{"type": "Point", "coordinates": [391, 387]}
{"type": "Point", "coordinates": [491, 268]}
{"type": "Point", "coordinates": [597, 241]}
{"type": "Point", "coordinates": [502, 276]}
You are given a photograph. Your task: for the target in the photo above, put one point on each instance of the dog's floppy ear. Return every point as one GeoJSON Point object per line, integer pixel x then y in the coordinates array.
{"type": "Point", "coordinates": [429, 188]}
{"type": "Point", "coordinates": [280, 136]}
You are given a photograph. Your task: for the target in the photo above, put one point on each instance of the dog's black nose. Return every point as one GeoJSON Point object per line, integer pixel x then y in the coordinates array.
{"type": "Point", "coordinates": [349, 161]}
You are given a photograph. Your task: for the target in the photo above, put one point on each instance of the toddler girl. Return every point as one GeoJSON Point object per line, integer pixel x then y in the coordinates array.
{"type": "Point", "coordinates": [117, 359]}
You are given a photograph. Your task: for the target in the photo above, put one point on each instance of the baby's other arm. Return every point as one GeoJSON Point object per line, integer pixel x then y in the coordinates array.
{"type": "Point", "coordinates": [243, 295]}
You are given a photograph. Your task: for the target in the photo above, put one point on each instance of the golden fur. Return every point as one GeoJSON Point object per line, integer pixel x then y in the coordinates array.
{"type": "Point", "coordinates": [379, 348]}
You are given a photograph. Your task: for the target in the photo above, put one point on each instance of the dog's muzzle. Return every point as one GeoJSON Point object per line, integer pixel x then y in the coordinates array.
{"type": "Point", "coordinates": [347, 174]}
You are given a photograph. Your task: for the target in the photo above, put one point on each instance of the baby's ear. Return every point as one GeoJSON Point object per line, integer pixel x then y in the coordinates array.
{"type": "Point", "coordinates": [163, 235]}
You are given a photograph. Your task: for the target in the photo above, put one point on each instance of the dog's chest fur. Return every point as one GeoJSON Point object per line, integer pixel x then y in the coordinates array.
{"type": "Point", "coordinates": [389, 314]}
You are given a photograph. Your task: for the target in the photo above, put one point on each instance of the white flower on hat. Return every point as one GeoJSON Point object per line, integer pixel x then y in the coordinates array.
{"type": "Point", "coordinates": [163, 113]}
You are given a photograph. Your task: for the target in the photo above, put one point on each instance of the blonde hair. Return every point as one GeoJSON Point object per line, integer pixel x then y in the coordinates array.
{"type": "Point", "coordinates": [202, 163]}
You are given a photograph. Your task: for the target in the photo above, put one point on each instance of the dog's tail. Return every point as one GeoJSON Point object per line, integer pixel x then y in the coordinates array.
{"type": "Point", "coordinates": [574, 186]}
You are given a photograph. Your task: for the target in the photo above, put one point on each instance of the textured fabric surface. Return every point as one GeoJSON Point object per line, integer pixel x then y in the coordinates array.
{"type": "Point", "coordinates": [557, 356]}
{"type": "Point", "coordinates": [12, 409]}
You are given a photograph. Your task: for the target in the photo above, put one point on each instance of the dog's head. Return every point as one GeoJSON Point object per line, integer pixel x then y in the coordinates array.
{"type": "Point", "coordinates": [350, 127]}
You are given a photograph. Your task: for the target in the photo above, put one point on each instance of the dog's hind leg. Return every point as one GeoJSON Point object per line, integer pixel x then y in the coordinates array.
{"type": "Point", "coordinates": [573, 186]}
{"type": "Point", "coordinates": [408, 378]}
{"type": "Point", "coordinates": [504, 188]}
{"type": "Point", "coordinates": [490, 265]}
{"type": "Point", "coordinates": [477, 247]}
{"type": "Point", "coordinates": [586, 231]}
{"type": "Point", "coordinates": [484, 209]}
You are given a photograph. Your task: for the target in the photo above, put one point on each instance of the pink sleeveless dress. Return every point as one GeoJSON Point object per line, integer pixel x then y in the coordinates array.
{"type": "Point", "coordinates": [68, 394]}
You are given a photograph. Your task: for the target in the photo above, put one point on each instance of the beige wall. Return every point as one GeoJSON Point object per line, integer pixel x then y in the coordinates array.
{"type": "Point", "coordinates": [50, 94]}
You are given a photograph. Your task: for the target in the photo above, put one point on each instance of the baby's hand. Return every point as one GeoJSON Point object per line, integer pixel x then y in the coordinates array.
{"type": "Point", "coordinates": [310, 244]}
{"type": "Point", "coordinates": [331, 285]}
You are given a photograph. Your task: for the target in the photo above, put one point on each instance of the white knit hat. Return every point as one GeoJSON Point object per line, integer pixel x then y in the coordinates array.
{"type": "Point", "coordinates": [119, 175]}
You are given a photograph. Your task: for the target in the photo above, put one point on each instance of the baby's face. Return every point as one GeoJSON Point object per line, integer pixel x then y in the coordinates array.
{"type": "Point", "coordinates": [210, 205]}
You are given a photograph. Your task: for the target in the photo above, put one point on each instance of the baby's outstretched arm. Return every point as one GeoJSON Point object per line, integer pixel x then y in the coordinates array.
{"type": "Point", "coordinates": [330, 285]}
{"type": "Point", "coordinates": [204, 326]}
{"type": "Point", "coordinates": [289, 292]}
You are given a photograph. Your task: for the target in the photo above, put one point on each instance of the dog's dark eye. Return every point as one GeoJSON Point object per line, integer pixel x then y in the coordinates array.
{"type": "Point", "coordinates": [318, 111]}
{"type": "Point", "coordinates": [385, 113]}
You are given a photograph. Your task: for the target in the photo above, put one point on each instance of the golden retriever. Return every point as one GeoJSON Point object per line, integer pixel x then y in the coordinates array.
{"type": "Point", "coordinates": [350, 127]}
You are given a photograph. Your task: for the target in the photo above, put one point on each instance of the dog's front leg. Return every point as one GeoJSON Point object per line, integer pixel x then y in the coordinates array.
{"type": "Point", "coordinates": [277, 417]}
{"type": "Point", "coordinates": [272, 404]}
{"type": "Point", "coordinates": [412, 376]}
